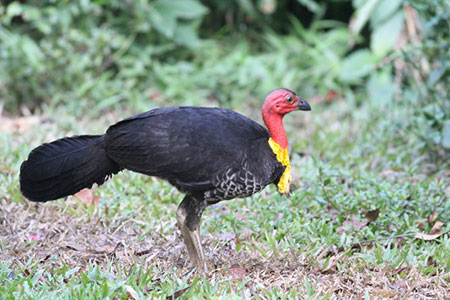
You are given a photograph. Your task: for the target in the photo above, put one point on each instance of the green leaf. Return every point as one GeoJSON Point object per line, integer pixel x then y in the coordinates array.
{"type": "Point", "coordinates": [32, 51]}
{"type": "Point", "coordinates": [311, 5]}
{"type": "Point", "coordinates": [383, 37]}
{"type": "Point", "coordinates": [446, 134]}
{"type": "Point", "coordinates": [187, 9]}
{"type": "Point", "coordinates": [163, 19]}
{"type": "Point", "coordinates": [357, 65]}
{"type": "Point", "coordinates": [436, 75]}
{"type": "Point", "coordinates": [186, 35]}
{"type": "Point", "coordinates": [14, 9]}
{"type": "Point", "coordinates": [383, 11]}
{"type": "Point", "coordinates": [362, 15]}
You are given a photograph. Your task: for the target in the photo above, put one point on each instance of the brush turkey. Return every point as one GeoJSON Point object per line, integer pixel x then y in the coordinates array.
{"type": "Point", "coordinates": [209, 154]}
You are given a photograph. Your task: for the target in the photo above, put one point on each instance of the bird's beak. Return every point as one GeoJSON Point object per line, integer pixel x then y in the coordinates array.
{"type": "Point", "coordinates": [302, 104]}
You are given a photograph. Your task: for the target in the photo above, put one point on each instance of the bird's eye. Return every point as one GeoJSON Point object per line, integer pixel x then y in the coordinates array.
{"type": "Point", "coordinates": [289, 99]}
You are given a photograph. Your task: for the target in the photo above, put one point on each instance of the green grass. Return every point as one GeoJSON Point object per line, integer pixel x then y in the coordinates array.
{"type": "Point", "coordinates": [290, 247]}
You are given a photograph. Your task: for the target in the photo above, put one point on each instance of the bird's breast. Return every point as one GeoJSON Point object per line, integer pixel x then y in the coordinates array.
{"type": "Point", "coordinates": [283, 158]}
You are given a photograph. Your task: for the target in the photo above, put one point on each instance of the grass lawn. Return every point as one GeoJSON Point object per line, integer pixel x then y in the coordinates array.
{"type": "Point", "coordinates": [367, 219]}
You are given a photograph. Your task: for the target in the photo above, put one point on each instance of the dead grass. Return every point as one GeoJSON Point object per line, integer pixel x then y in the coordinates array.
{"type": "Point", "coordinates": [53, 237]}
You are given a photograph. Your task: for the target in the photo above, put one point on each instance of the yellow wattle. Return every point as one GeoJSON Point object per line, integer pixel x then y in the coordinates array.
{"type": "Point", "coordinates": [283, 157]}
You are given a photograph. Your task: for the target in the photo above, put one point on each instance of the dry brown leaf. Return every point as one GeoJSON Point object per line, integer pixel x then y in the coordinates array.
{"type": "Point", "coordinates": [144, 252]}
{"type": "Point", "coordinates": [428, 237]}
{"type": "Point", "coordinates": [75, 247]}
{"type": "Point", "coordinates": [105, 249]}
{"type": "Point", "coordinates": [431, 261]}
{"type": "Point", "coordinates": [236, 273]}
{"type": "Point", "coordinates": [420, 224]}
{"type": "Point", "coordinates": [436, 227]}
{"type": "Point", "coordinates": [88, 197]}
{"type": "Point", "coordinates": [400, 270]}
{"type": "Point", "coordinates": [372, 215]}
{"type": "Point", "coordinates": [432, 218]}
{"type": "Point", "coordinates": [178, 293]}
{"type": "Point", "coordinates": [384, 293]}
{"type": "Point", "coordinates": [131, 293]}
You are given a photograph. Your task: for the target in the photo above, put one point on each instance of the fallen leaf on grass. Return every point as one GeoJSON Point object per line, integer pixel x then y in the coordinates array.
{"type": "Point", "coordinates": [88, 197]}
{"type": "Point", "coordinates": [436, 227]}
{"type": "Point", "coordinates": [143, 252]}
{"type": "Point", "coordinates": [384, 293]}
{"type": "Point", "coordinates": [372, 215]}
{"type": "Point", "coordinates": [236, 273]}
{"type": "Point", "coordinates": [400, 270]}
{"type": "Point", "coordinates": [420, 224]}
{"type": "Point", "coordinates": [431, 262]}
{"type": "Point", "coordinates": [178, 293]}
{"type": "Point", "coordinates": [75, 247]}
{"type": "Point", "coordinates": [428, 237]}
{"type": "Point", "coordinates": [105, 249]}
{"type": "Point", "coordinates": [432, 218]}
{"type": "Point", "coordinates": [131, 293]}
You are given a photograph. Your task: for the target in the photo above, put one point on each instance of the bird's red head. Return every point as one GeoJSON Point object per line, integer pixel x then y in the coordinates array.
{"type": "Point", "coordinates": [278, 103]}
{"type": "Point", "coordinates": [283, 101]}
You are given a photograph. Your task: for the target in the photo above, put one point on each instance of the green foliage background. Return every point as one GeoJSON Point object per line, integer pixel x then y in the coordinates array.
{"type": "Point", "coordinates": [108, 54]}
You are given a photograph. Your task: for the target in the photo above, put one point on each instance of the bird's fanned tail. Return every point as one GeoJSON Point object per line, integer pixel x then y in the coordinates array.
{"type": "Point", "coordinates": [64, 167]}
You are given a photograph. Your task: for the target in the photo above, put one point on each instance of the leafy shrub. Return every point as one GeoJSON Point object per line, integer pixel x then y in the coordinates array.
{"type": "Point", "coordinates": [69, 50]}
{"type": "Point", "coordinates": [426, 77]}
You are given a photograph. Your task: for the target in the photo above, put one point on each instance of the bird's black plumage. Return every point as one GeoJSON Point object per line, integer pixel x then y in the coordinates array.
{"type": "Point", "coordinates": [196, 149]}
{"type": "Point", "coordinates": [216, 153]}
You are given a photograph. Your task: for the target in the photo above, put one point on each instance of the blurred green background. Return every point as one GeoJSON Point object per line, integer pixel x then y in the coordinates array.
{"type": "Point", "coordinates": [97, 55]}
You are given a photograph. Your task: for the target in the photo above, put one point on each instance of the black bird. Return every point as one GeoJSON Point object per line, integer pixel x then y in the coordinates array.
{"type": "Point", "coordinates": [210, 154]}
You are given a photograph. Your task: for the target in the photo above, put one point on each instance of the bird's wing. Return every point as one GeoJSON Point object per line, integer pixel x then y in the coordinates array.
{"type": "Point", "coordinates": [188, 146]}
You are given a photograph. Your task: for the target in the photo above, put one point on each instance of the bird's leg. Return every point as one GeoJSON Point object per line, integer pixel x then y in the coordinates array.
{"type": "Point", "coordinates": [189, 213]}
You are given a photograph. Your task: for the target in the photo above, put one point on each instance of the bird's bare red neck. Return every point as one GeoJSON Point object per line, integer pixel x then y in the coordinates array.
{"type": "Point", "coordinates": [274, 123]}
